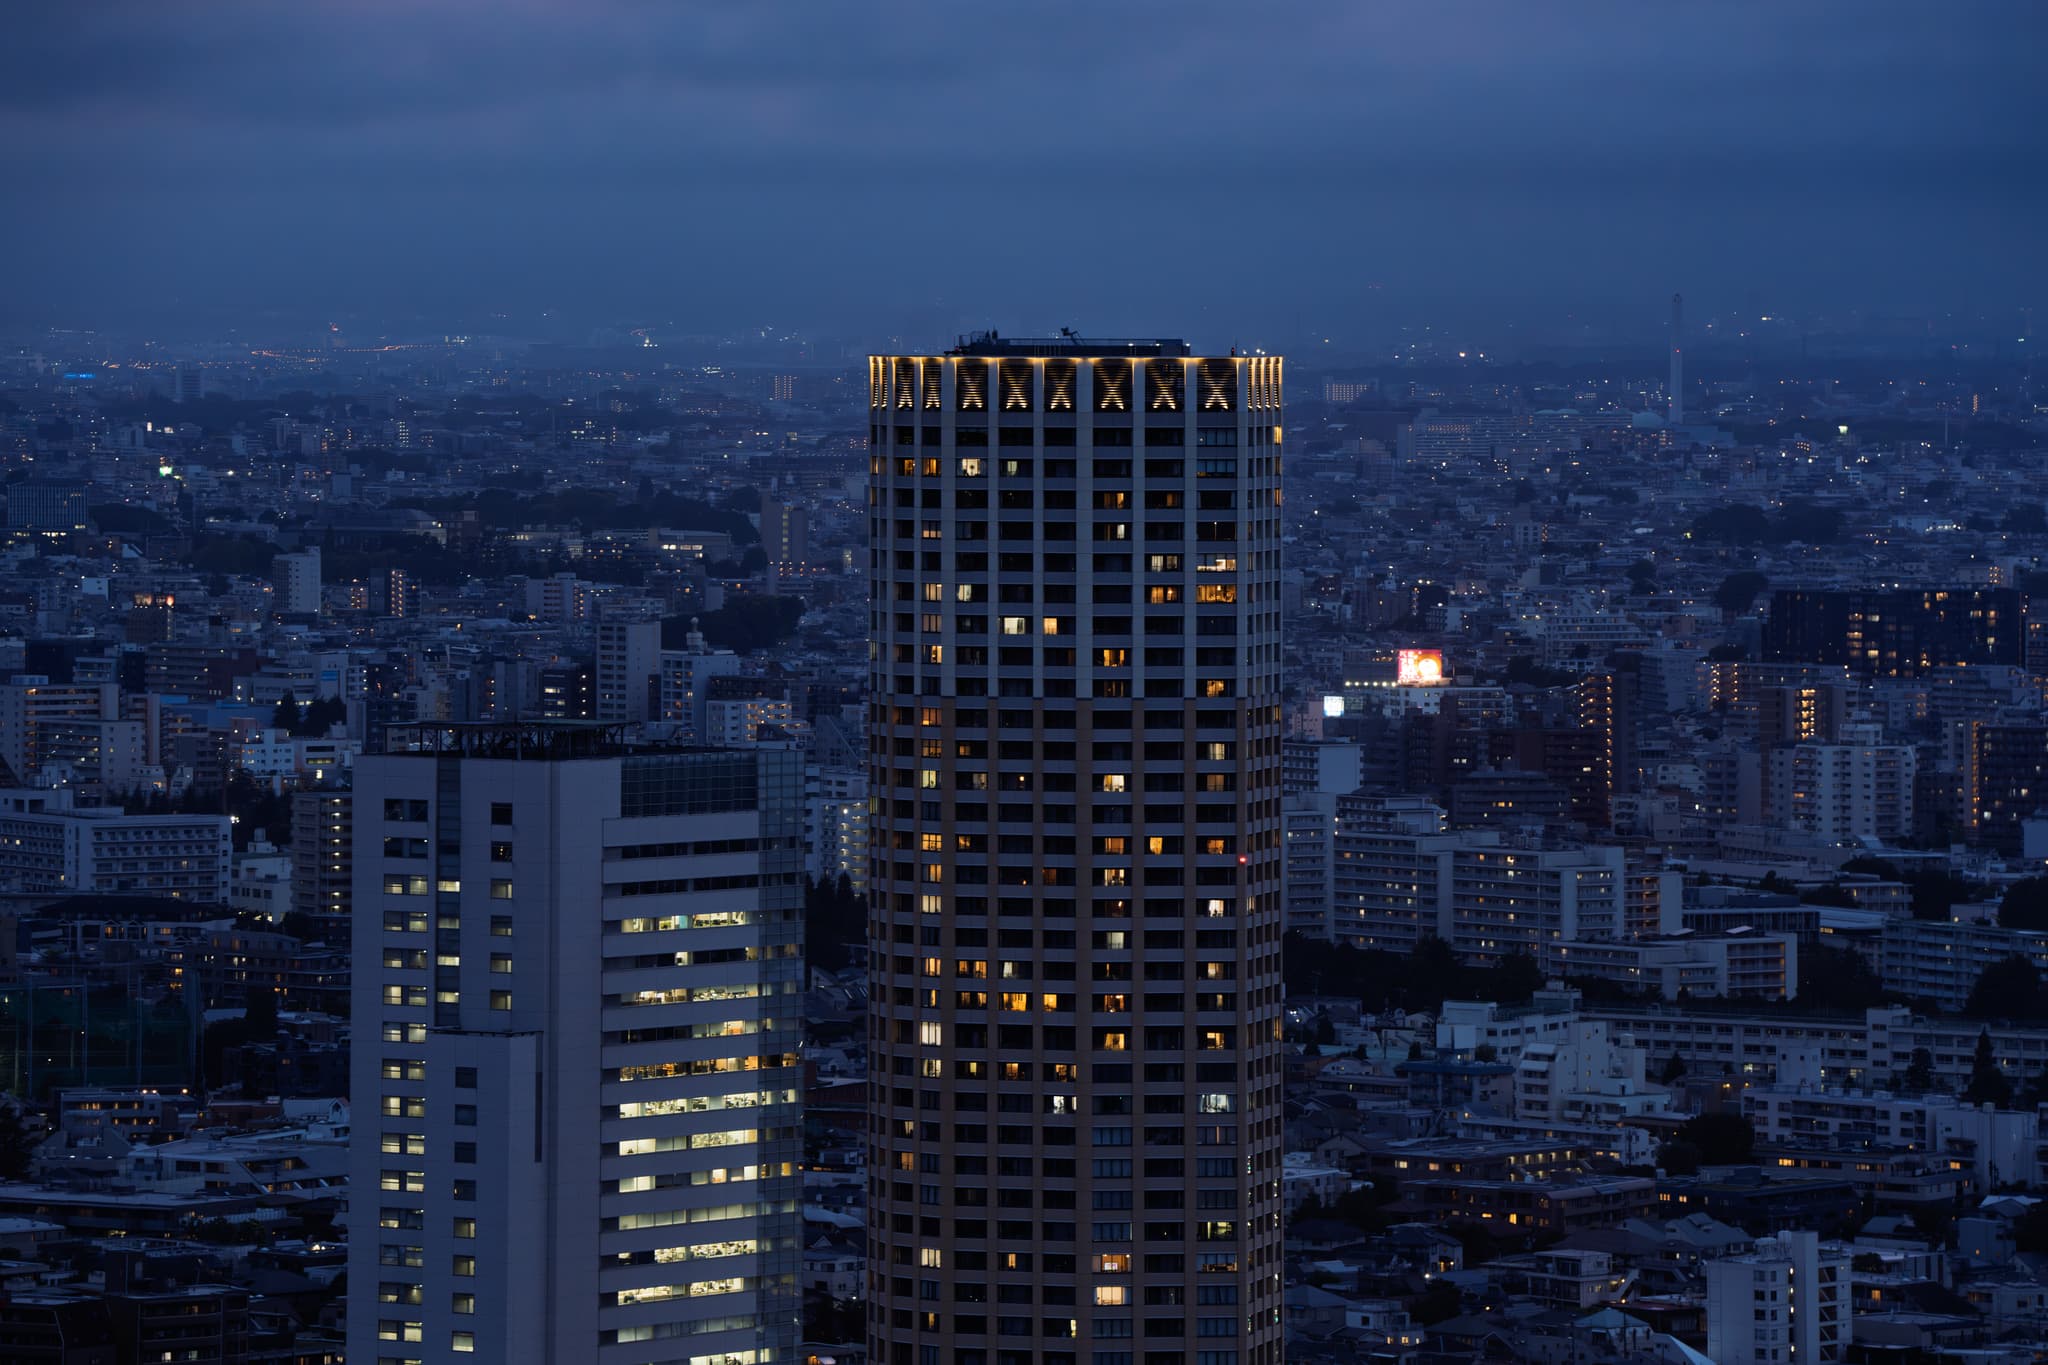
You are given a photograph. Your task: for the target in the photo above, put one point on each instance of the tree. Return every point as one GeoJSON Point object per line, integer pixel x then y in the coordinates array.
{"type": "Point", "coordinates": [1835, 979]}
{"type": "Point", "coordinates": [2025, 904]}
{"type": "Point", "coordinates": [1738, 591]}
{"type": "Point", "coordinates": [2030, 1229]}
{"type": "Point", "coordinates": [1520, 978]}
{"type": "Point", "coordinates": [2009, 988]}
{"type": "Point", "coordinates": [745, 624]}
{"type": "Point", "coordinates": [1674, 1068]}
{"type": "Point", "coordinates": [1679, 1157]}
{"type": "Point", "coordinates": [1988, 1084]}
{"type": "Point", "coordinates": [1723, 1139]}
{"type": "Point", "coordinates": [1438, 1303]}
{"type": "Point", "coordinates": [285, 715]}
{"type": "Point", "coordinates": [1642, 576]}
{"type": "Point", "coordinates": [1918, 1077]}
{"type": "Point", "coordinates": [259, 1014]}
{"type": "Point", "coordinates": [321, 715]}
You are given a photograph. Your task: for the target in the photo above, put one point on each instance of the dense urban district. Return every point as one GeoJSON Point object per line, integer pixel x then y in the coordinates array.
{"type": "Point", "coordinates": [1442, 858]}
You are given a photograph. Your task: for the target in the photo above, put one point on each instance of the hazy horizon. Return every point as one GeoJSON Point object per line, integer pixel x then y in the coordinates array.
{"type": "Point", "coordinates": [1227, 171]}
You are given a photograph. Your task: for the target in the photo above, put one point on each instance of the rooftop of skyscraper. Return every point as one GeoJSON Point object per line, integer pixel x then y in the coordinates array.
{"type": "Point", "coordinates": [1068, 343]}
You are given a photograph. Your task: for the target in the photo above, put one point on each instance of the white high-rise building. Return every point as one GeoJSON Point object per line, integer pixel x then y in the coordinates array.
{"type": "Point", "coordinates": [628, 669]}
{"type": "Point", "coordinates": [295, 581]}
{"type": "Point", "coordinates": [1861, 788]}
{"type": "Point", "coordinates": [576, 1076]}
{"type": "Point", "coordinates": [685, 684]}
{"type": "Point", "coordinates": [1787, 1303]}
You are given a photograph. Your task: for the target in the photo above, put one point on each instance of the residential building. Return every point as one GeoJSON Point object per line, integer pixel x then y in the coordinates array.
{"type": "Point", "coordinates": [1785, 1302]}
{"type": "Point", "coordinates": [50, 846]}
{"type": "Point", "coordinates": [1689, 965]}
{"type": "Point", "coordinates": [628, 669]}
{"type": "Point", "coordinates": [685, 691]}
{"type": "Point", "coordinates": [1896, 632]}
{"type": "Point", "coordinates": [1857, 790]}
{"type": "Point", "coordinates": [1075, 886]}
{"type": "Point", "coordinates": [1589, 1076]}
{"type": "Point", "coordinates": [30, 705]}
{"type": "Point", "coordinates": [1940, 960]}
{"type": "Point", "coordinates": [322, 850]}
{"type": "Point", "coordinates": [295, 581]}
{"type": "Point", "coordinates": [1391, 875]}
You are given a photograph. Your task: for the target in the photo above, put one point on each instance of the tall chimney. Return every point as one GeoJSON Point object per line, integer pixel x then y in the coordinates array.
{"type": "Point", "coordinates": [1677, 359]}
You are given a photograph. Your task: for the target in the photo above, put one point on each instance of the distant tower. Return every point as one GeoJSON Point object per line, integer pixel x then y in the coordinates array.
{"type": "Point", "coordinates": [1677, 359]}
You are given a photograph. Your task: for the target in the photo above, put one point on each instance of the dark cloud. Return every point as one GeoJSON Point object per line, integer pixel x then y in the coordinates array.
{"type": "Point", "coordinates": [830, 163]}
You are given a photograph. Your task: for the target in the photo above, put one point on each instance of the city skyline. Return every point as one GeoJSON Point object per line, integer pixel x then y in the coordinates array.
{"type": "Point", "coordinates": [1083, 684]}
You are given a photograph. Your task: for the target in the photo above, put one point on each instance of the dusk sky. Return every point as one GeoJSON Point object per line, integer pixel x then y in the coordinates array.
{"type": "Point", "coordinates": [1216, 169]}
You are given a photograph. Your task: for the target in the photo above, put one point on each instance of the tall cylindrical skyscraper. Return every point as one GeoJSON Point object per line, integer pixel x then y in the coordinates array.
{"type": "Point", "coordinates": [1075, 918]}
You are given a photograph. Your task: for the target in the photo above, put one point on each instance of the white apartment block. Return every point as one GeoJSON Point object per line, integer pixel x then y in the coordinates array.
{"type": "Point", "coordinates": [576, 1075]}
{"type": "Point", "coordinates": [295, 581]}
{"type": "Point", "coordinates": [1391, 871]}
{"type": "Point", "coordinates": [1590, 1076]}
{"type": "Point", "coordinates": [1868, 1052]}
{"type": "Point", "coordinates": [1940, 960]}
{"type": "Point", "coordinates": [30, 705]}
{"type": "Point", "coordinates": [1310, 891]}
{"type": "Point", "coordinates": [2001, 1146]}
{"type": "Point", "coordinates": [1843, 792]}
{"type": "Point", "coordinates": [1514, 900]}
{"type": "Point", "coordinates": [685, 681]}
{"type": "Point", "coordinates": [48, 846]}
{"type": "Point", "coordinates": [836, 826]}
{"type": "Point", "coordinates": [1683, 966]}
{"type": "Point", "coordinates": [1786, 1302]}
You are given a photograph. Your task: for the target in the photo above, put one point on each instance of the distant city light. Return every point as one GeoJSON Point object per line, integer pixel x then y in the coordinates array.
{"type": "Point", "coordinates": [1333, 707]}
